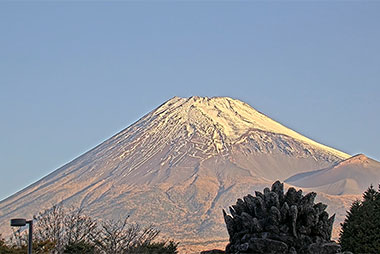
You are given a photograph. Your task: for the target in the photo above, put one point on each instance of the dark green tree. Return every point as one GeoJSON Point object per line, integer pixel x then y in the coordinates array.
{"type": "Point", "coordinates": [80, 247]}
{"type": "Point", "coordinates": [360, 231]}
{"type": "Point", "coordinates": [163, 247]}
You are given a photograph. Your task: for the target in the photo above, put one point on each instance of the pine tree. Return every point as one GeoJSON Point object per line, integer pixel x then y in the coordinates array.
{"type": "Point", "coordinates": [360, 231]}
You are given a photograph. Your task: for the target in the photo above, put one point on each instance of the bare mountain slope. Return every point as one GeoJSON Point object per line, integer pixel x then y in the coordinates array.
{"type": "Point", "coordinates": [177, 167]}
{"type": "Point", "coordinates": [351, 176]}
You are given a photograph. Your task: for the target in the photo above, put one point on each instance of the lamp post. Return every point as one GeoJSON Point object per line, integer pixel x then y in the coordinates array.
{"type": "Point", "coordinates": [21, 223]}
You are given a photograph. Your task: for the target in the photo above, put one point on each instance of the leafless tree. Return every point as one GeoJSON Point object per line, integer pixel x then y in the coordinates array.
{"type": "Point", "coordinates": [79, 227]}
{"type": "Point", "coordinates": [119, 236]}
{"type": "Point", "coordinates": [67, 226]}
{"type": "Point", "coordinates": [64, 226]}
{"type": "Point", "coordinates": [18, 237]}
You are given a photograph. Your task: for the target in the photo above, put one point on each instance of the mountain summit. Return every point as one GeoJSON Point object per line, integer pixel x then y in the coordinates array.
{"type": "Point", "coordinates": [226, 119]}
{"type": "Point", "coordinates": [177, 167]}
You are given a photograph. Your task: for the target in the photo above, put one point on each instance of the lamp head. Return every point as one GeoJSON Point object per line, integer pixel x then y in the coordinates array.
{"type": "Point", "coordinates": [18, 222]}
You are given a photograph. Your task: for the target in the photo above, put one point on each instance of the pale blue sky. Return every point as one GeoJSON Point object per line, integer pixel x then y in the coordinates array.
{"type": "Point", "coordinates": [73, 74]}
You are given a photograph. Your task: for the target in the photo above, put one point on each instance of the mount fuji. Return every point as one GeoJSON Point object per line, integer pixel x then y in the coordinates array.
{"type": "Point", "coordinates": [181, 164]}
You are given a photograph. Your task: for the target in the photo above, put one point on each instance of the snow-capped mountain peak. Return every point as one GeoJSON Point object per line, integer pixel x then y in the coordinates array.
{"type": "Point", "coordinates": [224, 119]}
{"type": "Point", "coordinates": [178, 165]}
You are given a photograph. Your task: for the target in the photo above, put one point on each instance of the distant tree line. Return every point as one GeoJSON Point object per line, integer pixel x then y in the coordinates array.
{"type": "Point", "coordinates": [61, 230]}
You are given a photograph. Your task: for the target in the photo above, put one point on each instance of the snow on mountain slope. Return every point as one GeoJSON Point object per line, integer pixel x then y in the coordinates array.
{"type": "Point", "coordinates": [231, 118]}
{"type": "Point", "coordinates": [351, 176]}
{"type": "Point", "coordinates": [177, 167]}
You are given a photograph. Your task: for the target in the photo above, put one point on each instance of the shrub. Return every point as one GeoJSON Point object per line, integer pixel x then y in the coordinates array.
{"type": "Point", "coordinates": [39, 247]}
{"type": "Point", "coordinates": [278, 222]}
{"type": "Point", "coordinates": [79, 247]}
{"type": "Point", "coordinates": [155, 248]}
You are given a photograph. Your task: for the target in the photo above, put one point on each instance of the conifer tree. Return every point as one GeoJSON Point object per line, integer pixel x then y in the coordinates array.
{"type": "Point", "coordinates": [360, 231]}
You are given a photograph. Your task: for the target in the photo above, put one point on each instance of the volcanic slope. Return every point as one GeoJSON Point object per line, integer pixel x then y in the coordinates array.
{"type": "Point", "coordinates": [351, 176]}
{"type": "Point", "coordinates": [177, 167]}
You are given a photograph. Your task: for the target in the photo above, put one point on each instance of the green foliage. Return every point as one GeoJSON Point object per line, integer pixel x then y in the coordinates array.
{"type": "Point", "coordinates": [39, 247]}
{"type": "Point", "coordinates": [43, 247]}
{"type": "Point", "coordinates": [155, 248]}
{"type": "Point", "coordinates": [360, 231]}
{"type": "Point", "coordinates": [79, 247]}
{"type": "Point", "coordinates": [4, 249]}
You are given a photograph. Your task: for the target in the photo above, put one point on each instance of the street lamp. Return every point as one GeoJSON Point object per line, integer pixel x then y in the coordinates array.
{"type": "Point", "coordinates": [20, 223]}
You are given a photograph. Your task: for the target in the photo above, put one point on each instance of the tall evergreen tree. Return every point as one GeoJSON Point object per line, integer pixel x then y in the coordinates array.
{"type": "Point", "coordinates": [360, 231]}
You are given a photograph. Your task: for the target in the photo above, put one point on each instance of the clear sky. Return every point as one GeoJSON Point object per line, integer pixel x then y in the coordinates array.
{"type": "Point", "coordinates": [72, 74]}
